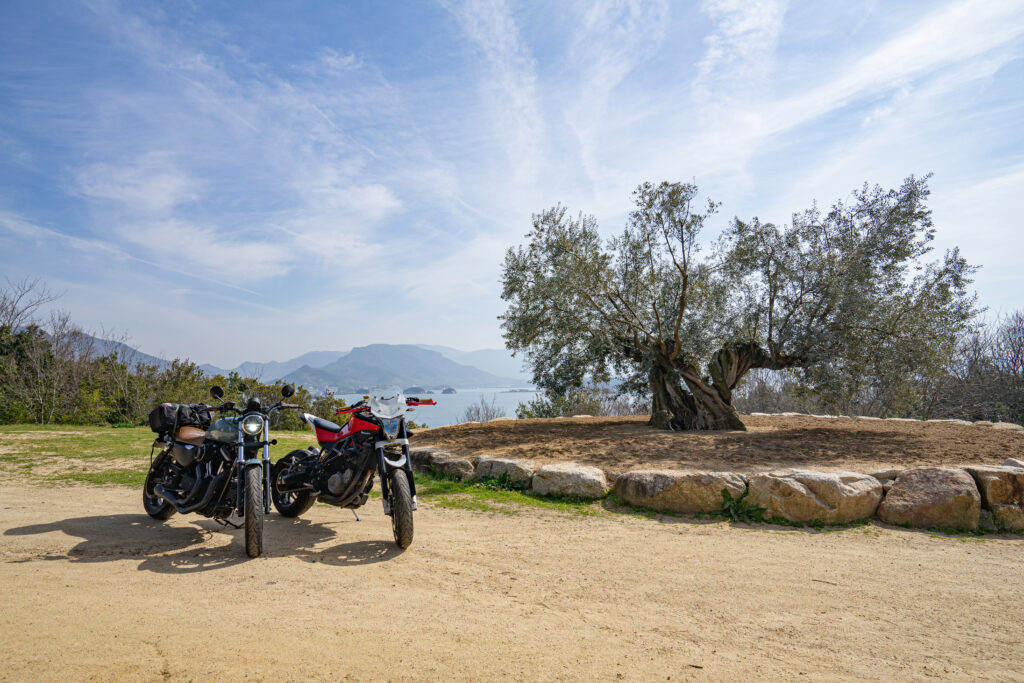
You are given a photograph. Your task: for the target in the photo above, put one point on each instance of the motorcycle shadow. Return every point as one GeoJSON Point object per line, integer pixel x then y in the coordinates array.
{"type": "Point", "coordinates": [185, 549]}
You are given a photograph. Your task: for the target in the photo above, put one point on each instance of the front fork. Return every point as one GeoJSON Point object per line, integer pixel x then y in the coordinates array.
{"type": "Point", "coordinates": [241, 464]}
{"type": "Point", "coordinates": [384, 466]}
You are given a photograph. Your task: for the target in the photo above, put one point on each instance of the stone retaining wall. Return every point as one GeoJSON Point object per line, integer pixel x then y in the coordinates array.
{"type": "Point", "coordinates": [952, 497]}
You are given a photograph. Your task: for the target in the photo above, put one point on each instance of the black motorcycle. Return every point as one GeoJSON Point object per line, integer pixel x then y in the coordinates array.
{"type": "Point", "coordinates": [213, 469]}
{"type": "Point", "coordinates": [340, 471]}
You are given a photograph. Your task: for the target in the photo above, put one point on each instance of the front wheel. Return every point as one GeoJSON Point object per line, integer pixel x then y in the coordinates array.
{"type": "Point", "coordinates": [401, 508]}
{"type": "Point", "coordinates": [254, 511]}
{"type": "Point", "coordinates": [288, 503]}
{"type": "Point", "coordinates": [156, 507]}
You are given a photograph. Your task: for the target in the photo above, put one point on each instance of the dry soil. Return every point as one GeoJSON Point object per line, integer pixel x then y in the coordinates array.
{"type": "Point", "coordinates": [92, 589]}
{"type": "Point", "coordinates": [623, 443]}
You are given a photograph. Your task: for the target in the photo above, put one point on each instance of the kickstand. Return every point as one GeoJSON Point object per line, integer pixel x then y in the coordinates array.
{"type": "Point", "coordinates": [358, 518]}
{"type": "Point", "coordinates": [224, 522]}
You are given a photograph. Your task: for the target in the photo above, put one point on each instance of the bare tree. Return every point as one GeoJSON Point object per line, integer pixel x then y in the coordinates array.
{"type": "Point", "coordinates": [483, 410]}
{"type": "Point", "coordinates": [130, 382]}
{"type": "Point", "coordinates": [47, 379]}
{"type": "Point", "coordinates": [20, 300]}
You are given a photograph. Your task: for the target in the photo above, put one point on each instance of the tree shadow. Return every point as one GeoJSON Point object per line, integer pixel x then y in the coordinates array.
{"type": "Point", "coordinates": [170, 549]}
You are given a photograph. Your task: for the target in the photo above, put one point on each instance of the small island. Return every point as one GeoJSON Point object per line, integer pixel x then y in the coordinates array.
{"type": "Point", "coordinates": [448, 390]}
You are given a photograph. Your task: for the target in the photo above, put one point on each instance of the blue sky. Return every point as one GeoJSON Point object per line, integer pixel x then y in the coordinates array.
{"type": "Point", "coordinates": [231, 181]}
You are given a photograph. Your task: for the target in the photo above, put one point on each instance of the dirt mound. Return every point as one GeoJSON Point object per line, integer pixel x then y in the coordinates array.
{"type": "Point", "coordinates": [623, 443]}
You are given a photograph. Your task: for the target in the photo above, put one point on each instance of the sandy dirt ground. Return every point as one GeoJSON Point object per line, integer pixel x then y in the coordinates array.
{"type": "Point", "coordinates": [619, 444]}
{"type": "Point", "coordinates": [92, 589]}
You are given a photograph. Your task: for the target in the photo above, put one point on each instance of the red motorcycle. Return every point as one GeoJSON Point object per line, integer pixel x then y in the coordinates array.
{"type": "Point", "coordinates": [374, 441]}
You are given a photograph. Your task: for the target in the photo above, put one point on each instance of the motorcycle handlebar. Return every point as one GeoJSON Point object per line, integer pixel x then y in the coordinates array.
{"type": "Point", "coordinates": [281, 404]}
{"type": "Point", "coordinates": [346, 411]}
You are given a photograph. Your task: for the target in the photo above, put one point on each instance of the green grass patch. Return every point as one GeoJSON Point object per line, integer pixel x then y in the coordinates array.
{"type": "Point", "coordinates": [22, 447]}
{"type": "Point", "coordinates": [445, 492]}
{"type": "Point", "coordinates": [118, 477]}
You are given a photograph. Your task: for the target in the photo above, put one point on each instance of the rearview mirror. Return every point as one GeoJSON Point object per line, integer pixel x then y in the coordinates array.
{"type": "Point", "coordinates": [287, 390]}
{"type": "Point", "coordinates": [216, 392]}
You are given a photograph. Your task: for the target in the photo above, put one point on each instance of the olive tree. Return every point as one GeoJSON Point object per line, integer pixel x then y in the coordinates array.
{"type": "Point", "coordinates": [843, 297]}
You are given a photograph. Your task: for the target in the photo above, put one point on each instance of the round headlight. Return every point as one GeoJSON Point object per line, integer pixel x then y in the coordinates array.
{"type": "Point", "coordinates": [252, 425]}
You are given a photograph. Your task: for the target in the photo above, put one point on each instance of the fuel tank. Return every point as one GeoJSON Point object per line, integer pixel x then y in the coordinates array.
{"type": "Point", "coordinates": [224, 430]}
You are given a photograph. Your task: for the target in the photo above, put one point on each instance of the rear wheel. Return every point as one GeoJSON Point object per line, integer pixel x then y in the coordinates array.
{"type": "Point", "coordinates": [401, 508]}
{"type": "Point", "coordinates": [288, 503]}
{"type": "Point", "coordinates": [156, 507]}
{"type": "Point", "coordinates": [254, 511]}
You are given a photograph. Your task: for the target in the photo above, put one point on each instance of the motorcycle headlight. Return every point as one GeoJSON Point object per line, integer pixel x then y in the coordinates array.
{"type": "Point", "coordinates": [391, 426]}
{"type": "Point", "coordinates": [252, 425]}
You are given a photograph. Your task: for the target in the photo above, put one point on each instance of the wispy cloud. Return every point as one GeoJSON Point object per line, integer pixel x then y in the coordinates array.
{"type": "Point", "coordinates": [153, 184]}
{"type": "Point", "coordinates": [740, 53]}
{"type": "Point", "coordinates": [296, 163]}
{"type": "Point", "coordinates": [508, 82]}
{"type": "Point", "coordinates": [610, 40]}
{"type": "Point", "coordinates": [104, 250]}
{"type": "Point", "coordinates": [957, 33]}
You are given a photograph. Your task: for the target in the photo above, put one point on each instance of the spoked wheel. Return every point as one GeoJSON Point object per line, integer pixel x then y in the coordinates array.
{"type": "Point", "coordinates": [401, 508]}
{"type": "Point", "coordinates": [254, 511]}
{"type": "Point", "coordinates": [156, 507]}
{"type": "Point", "coordinates": [288, 503]}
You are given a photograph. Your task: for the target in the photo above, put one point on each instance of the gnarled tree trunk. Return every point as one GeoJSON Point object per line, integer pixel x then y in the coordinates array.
{"type": "Point", "coordinates": [672, 407]}
{"type": "Point", "coordinates": [699, 406]}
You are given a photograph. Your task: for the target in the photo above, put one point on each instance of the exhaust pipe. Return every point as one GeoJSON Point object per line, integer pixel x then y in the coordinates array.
{"type": "Point", "coordinates": [294, 482]}
{"type": "Point", "coordinates": [186, 499]}
{"type": "Point", "coordinates": [350, 493]}
{"type": "Point", "coordinates": [179, 506]}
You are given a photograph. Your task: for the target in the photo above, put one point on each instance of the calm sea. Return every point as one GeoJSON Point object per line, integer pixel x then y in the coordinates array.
{"type": "Point", "coordinates": [450, 407]}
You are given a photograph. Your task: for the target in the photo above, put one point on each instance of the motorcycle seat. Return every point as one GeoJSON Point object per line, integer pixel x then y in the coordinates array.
{"type": "Point", "coordinates": [190, 435]}
{"type": "Point", "coordinates": [320, 423]}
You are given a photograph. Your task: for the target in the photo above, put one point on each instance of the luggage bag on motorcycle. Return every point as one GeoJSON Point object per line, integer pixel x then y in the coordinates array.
{"type": "Point", "coordinates": [167, 417]}
{"type": "Point", "coordinates": [194, 415]}
{"type": "Point", "coordinates": [163, 418]}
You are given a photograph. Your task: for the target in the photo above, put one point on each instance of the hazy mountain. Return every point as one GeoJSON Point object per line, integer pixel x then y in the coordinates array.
{"type": "Point", "coordinates": [314, 379]}
{"type": "Point", "coordinates": [366, 366]}
{"type": "Point", "coordinates": [213, 370]}
{"type": "Point", "coordinates": [496, 361]}
{"type": "Point", "coordinates": [275, 370]}
{"type": "Point", "coordinates": [104, 347]}
{"type": "Point", "coordinates": [401, 364]}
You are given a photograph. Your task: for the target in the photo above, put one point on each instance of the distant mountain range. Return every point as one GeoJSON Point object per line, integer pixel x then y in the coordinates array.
{"type": "Point", "coordinates": [372, 364]}
{"type": "Point", "coordinates": [497, 361]}
{"type": "Point", "coordinates": [432, 367]}
{"type": "Point", "coordinates": [274, 370]}
{"type": "Point", "coordinates": [401, 364]}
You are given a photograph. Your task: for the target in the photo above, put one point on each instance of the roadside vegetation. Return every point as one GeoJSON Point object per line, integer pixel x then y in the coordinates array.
{"type": "Point", "coordinates": [52, 371]}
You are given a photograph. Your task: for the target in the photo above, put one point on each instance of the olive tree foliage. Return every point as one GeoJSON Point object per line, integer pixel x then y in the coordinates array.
{"type": "Point", "coordinates": [843, 297]}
